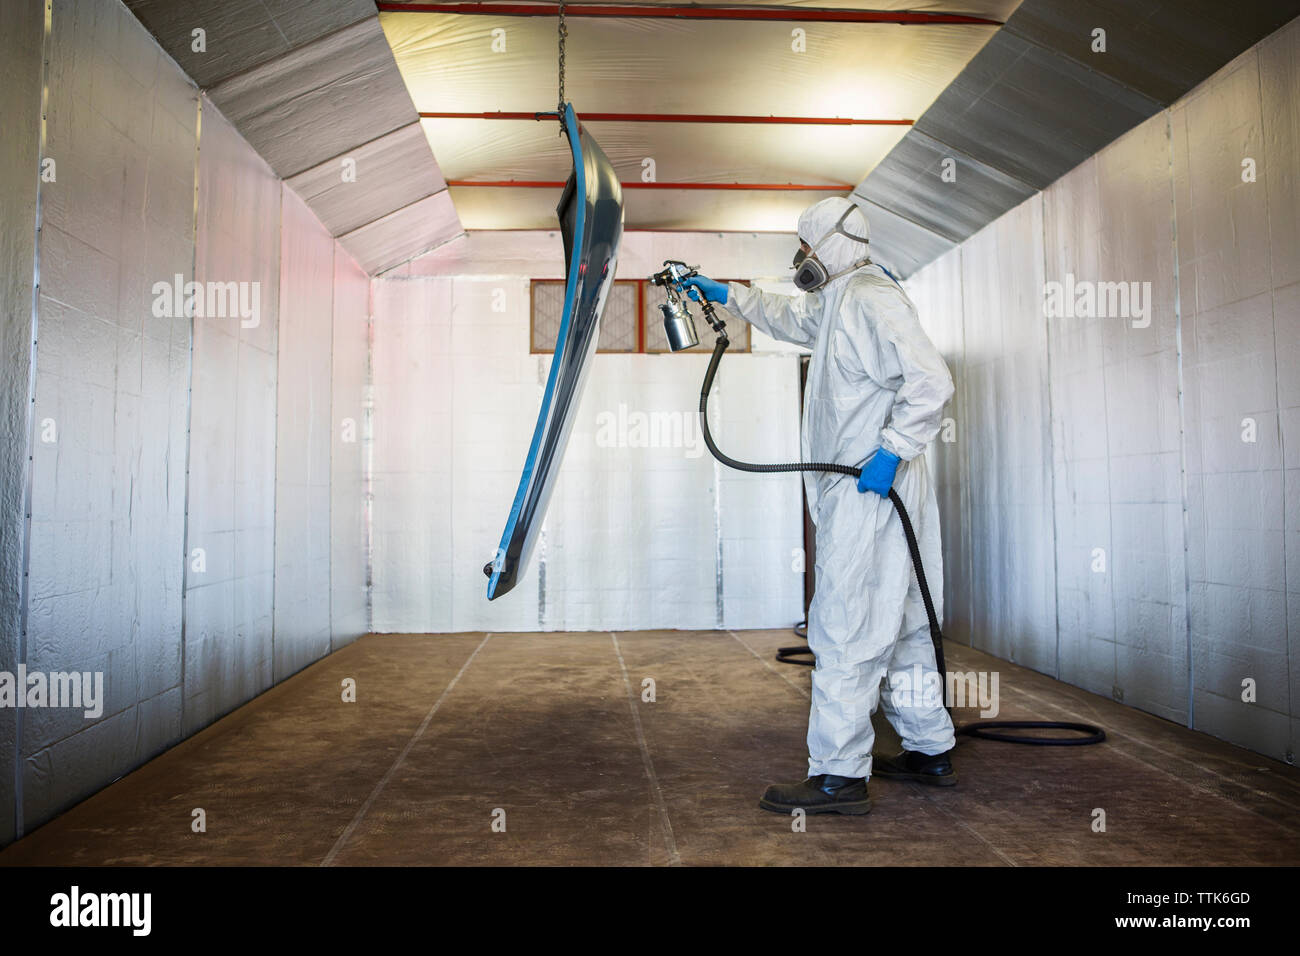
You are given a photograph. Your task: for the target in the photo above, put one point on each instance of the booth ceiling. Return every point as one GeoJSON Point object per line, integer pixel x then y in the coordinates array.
{"type": "Point", "coordinates": [641, 70]}
{"type": "Point", "coordinates": [1014, 106]}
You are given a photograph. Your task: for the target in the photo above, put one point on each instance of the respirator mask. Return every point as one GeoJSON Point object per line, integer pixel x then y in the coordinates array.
{"type": "Point", "coordinates": [810, 274]}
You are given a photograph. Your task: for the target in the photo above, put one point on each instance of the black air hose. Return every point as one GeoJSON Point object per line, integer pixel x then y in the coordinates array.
{"type": "Point", "coordinates": [789, 655]}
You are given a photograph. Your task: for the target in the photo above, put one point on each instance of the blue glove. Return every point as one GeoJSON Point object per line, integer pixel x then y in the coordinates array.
{"type": "Point", "coordinates": [713, 291]}
{"type": "Point", "coordinates": [878, 473]}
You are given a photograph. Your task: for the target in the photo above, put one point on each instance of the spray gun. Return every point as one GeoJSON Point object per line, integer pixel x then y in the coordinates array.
{"type": "Point", "coordinates": [679, 324]}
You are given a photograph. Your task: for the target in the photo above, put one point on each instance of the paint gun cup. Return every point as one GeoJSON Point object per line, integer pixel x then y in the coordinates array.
{"type": "Point", "coordinates": [679, 324]}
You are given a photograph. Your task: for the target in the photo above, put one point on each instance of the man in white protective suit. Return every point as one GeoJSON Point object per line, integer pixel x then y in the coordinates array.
{"type": "Point", "coordinates": [875, 395]}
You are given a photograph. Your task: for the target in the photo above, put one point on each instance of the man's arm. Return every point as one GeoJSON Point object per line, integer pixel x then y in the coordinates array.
{"type": "Point", "coordinates": [789, 318]}
{"type": "Point", "coordinates": [927, 385]}
{"type": "Point", "coordinates": [887, 342]}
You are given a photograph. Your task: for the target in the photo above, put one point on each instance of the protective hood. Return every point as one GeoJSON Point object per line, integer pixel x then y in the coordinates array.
{"type": "Point", "coordinates": [838, 252]}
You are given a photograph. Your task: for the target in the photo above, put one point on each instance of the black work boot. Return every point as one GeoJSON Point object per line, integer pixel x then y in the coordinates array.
{"type": "Point", "coordinates": [935, 770]}
{"type": "Point", "coordinates": [824, 793]}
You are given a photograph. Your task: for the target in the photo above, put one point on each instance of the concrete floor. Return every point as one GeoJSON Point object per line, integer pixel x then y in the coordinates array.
{"type": "Point", "coordinates": [551, 729]}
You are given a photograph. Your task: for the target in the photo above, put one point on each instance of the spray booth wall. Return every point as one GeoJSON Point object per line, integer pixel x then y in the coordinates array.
{"type": "Point", "coordinates": [635, 537]}
{"type": "Point", "coordinates": [1121, 504]}
{"type": "Point", "coordinates": [158, 436]}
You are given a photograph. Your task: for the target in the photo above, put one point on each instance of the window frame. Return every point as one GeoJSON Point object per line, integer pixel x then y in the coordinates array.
{"type": "Point", "coordinates": [642, 292]}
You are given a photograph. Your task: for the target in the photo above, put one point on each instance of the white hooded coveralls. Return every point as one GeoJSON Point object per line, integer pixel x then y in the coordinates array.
{"type": "Point", "coordinates": [874, 381]}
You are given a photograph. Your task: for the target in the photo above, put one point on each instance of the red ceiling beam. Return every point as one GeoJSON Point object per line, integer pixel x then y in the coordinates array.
{"type": "Point", "coordinates": [779, 14]}
{"type": "Point", "coordinates": [558, 184]}
{"type": "Point", "coordinates": [685, 118]}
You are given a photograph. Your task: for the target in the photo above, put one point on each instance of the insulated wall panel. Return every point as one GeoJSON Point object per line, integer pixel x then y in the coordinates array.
{"type": "Point", "coordinates": [1023, 110]}
{"type": "Point", "coordinates": [1084, 563]}
{"type": "Point", "coordinates": [1279, 81]}
{"type": "Point", "coordinates": [1140, 354]}
{"type": "Point", "coordinates": [1236, 476]}
{"type": "Point", "coordinates": [396, 237]}
{"type": "Point", "coordinates": [302, 448]}
{"type": "Point", "coordinates": [898, 244]}
{"type": "Point", "coordinates": [631, 534]}
{"type": "Point", "coordinates": [1174, 412]}
{"type": "Point", "coordinates": [230, 547]}
{"type": "Point", "coordinates": [20, 77]}
{"type": "Point", "coordinates": [492, 397]}
{"type": "Point", "coordinates": [937, 293]}
{"type": "Point", "coordinates": [241, 34]}
{"type": "Point", "coordinates": [1058, 82]}
{"type": "Point", "coordinates": [1009, 429]}
{"type": "Point", "coordinates": [348, 422]}
{"type": "Point", "coordinates": [318, 100]}
{"type": "Point", "coordinates": [411, 476]}
{"type": "Point", "coordinates": [754, 415]}
{"type": "Point", "coordinates": [109, 460]}
{"type": "Point", "coordinates": [941, 189]}
{"type": "Point", "coordinates": [1117, 442]}
{"type": "Point", "coordinates": [371, 180]}
{"type": "Point", "coordinates": [1161, 48]}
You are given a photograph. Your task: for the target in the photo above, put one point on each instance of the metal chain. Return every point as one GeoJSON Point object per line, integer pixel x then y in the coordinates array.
{"type": "Point", "coordinates": [564, 32]}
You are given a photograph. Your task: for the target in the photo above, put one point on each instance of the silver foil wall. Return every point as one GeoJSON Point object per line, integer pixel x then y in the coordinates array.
{"type": "Point", "coordinates": [350, 371]}
{"type": "Point", "coordinates": [1121, 504]}
{"type": "Point", "coordinates": [184, 471]}
{"type": "Point", "coordinates": [302, 471]}
{"type": "Point", "coordinates": [230, 541]}
{"type": "Point", "coordinates": [22, 44]}
{"type": "Point", "coordinates": [108, 469]}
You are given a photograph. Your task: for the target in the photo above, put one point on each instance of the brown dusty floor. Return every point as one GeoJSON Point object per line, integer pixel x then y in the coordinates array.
{"type": "Point", "coordinates": [551, 729]}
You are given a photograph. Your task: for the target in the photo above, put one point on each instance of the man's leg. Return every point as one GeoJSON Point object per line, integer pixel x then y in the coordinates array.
{"type": "Point", "coordinates": [913, 702]}
{"type": "Point", "coordinates": [852, 626]}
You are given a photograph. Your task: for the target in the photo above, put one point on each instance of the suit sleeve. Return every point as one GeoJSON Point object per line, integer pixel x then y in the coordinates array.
{"type": "Point", "coordinates": [789, 318]}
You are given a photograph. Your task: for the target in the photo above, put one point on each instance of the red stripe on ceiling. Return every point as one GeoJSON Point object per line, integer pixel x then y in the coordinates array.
{"type": "Point", "coordinates": [557, 184]}
{"type": "Point", "coordinates": [683, 118]}
{"type": "Point", "coordinates": [691, 13]}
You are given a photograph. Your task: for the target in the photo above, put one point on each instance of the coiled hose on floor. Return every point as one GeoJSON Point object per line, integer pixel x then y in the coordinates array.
{"type": "Point", "coordinates": [989, 730]}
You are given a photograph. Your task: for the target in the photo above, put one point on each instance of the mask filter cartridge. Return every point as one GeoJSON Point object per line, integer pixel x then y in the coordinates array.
{"type": "Point", "coordinates": [810, 273]}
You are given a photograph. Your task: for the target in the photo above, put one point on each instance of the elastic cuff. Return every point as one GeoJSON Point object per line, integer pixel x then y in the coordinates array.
{"type": "Point", "coordinates": [891, 446]}
{"type": "Point", "coordinates": [858, 769]}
